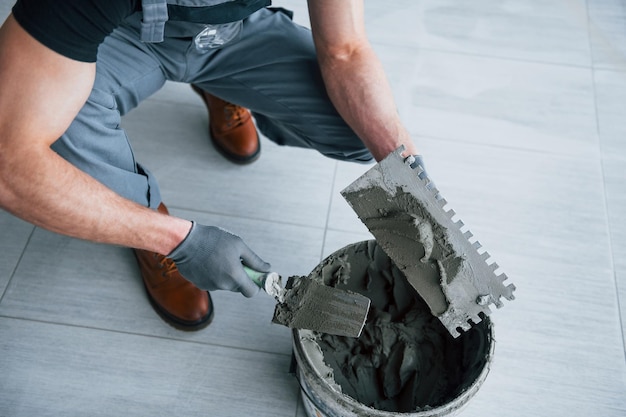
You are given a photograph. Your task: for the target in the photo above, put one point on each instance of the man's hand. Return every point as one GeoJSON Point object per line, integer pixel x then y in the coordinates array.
{"type": "Point", "coordinates": [212, 258]}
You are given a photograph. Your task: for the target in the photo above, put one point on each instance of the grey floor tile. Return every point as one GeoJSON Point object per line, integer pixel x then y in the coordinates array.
{"type": "Point", "coordinates": [13, 238]}
{"type": "Point", "coordinates": [504, 103]}
{"type": "Point", "coordinates": [611, 101]}
{"type": "Point", "coordinates": [532, 30]}
{"type": "Point", "coordinates": [53, 370]}
{"type": "Point", "coordinates": [514, 182]}
{"type": "Point", "coordinates": [5, 8]}
{"type": "Point", "coordinates": [554, 367]}
{"type": "Point", "coordinates": [285, 185]}
{"type": "Point", "coordinates": [557, 351]}
{"type": "Point", "coordinates": [64, 280]}
{"type": "Point", "coordinates": [493, 101]}
{"type": "Point", "coordinates": [341, 216]}
{"type": "Point", "coordinates": [607, 28]}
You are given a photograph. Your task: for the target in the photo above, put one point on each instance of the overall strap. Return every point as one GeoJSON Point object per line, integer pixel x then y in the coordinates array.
{"type": "Point", "coordinates": [153, 22]}
{"type": "Point", "coordinates": [157, 12]}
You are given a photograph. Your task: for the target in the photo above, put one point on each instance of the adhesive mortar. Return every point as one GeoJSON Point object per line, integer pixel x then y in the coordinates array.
{"type": "Point", "coordinates": [405, 363]}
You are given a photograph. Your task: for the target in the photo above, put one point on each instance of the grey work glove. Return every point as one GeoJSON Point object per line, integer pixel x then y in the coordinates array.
{"type": "Point", "coordinates": [416, 162]}
{"type": "Point", "coordinates": [213, 258]}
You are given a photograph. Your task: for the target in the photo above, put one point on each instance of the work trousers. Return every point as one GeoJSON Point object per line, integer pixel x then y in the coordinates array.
{"type": "Point", "coordinates": [271, 68]}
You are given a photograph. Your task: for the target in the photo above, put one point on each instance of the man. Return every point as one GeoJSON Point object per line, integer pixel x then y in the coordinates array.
{"type": "Point", "coordinates": [69, 70]}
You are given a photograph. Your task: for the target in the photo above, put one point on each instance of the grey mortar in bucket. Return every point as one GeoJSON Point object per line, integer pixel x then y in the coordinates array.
{"type": "Point", "coordinates": [404, 363]}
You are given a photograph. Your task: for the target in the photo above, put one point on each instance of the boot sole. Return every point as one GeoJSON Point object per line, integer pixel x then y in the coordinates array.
{"type": "Point", "coordinates": [179, 324]}
{"type": "Point", "coordinates": [236, 159]}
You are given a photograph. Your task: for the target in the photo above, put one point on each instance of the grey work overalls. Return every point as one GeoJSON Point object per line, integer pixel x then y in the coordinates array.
{"type": "Point", "coordinates": [270, 68]}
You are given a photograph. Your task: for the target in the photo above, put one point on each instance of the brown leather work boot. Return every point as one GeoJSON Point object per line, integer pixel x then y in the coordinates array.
{"type": "Point", "coordinates": [176, 300]}
{"type": "Point", "coordinates": [231, 129]}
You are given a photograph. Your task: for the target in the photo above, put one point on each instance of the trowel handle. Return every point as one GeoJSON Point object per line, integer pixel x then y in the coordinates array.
{"type": "Point", "coordinates": [269, 282]}
{"type": "Point", "coordinates": [257, 277]}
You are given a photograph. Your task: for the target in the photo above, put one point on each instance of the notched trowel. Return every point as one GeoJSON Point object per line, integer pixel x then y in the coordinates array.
{"type": "Point", "coordinates": [307, 304]}
{"type": "Point", "coordinates": [405, 213]}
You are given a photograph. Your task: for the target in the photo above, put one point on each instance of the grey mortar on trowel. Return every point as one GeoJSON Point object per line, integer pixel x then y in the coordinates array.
{"type": "Point", "coordinates": [406, 215]}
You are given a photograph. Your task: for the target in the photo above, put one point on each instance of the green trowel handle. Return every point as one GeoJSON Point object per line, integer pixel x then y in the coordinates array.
{"type": "Point", "coordinates": [257, 277]}
{"type": "Point", "coordinates": [269, 282]}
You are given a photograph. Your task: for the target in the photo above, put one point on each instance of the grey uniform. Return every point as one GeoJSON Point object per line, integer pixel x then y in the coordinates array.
{"type": "Point", "coordinates": [270, 68]}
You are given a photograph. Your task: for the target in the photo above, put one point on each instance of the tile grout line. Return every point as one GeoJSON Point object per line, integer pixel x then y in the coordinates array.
{"type": "Point", "coordinates": [231, 216]}
{"type": "Point", "coordinates": [485, 56]}
{"type": "Point", "coordinates": [493, 145]}
{"type": "Point", "coordinates": [330, 204]}
{"type": "Point", "coordinates": [612, 255]}
{"type": "Point", "coordinates": [17, 264]}
{"type": "Point", "coordinates": [604, 189]}
{"type": "Point", "coordinates": [504, 58]}
{"type": "Point", "coordinates": [128, 333]}
{"type": "Point", "coordinates": [591, 25]}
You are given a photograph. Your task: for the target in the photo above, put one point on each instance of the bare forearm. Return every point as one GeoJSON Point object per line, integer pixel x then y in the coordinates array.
{"type": "Point", "coordinates": [359, 89]}
{"type": "Point", "coordinates": [37, 104]}
{"type": "Point", "coordinates": [354, 76]}
{"type": "Point", "coordinates": [42, 188]}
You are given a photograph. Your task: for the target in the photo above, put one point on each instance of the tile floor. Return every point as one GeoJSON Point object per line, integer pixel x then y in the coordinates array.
{"type": "Point", "coordinates": [520, 109]}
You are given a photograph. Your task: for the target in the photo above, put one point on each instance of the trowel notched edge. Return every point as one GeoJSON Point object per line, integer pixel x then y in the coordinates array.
{"type": "Point", "coordinates": [406, 215]}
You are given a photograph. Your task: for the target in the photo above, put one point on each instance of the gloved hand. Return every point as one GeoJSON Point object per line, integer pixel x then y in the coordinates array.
{"type": "Point", "coordinates": [416, 162]}
{"type": "Point", "coordinates": [211, 258]}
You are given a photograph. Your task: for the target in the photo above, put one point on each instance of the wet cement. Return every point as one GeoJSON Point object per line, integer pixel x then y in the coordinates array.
{"type": "Point", "coordinates": [308, 304]}
{"type": "Point", "coordinates": [405, 359]}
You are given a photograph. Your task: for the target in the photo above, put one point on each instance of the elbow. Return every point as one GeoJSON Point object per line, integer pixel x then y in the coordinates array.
{"type": "Point", "coordinates": [337, 54]}
{"type": "Point", "coordinates": [14, 163]}
{"type": "Point", "coordinates": [5, 191]}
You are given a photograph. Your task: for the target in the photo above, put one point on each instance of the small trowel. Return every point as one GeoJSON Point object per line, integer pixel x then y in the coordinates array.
{"type": "Point", "coordinates": [307, 304]}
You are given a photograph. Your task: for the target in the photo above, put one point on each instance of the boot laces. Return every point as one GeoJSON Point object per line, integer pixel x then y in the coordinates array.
{"type": "Point", "coordinates": [234, 114]}
{"type": "Point", "coordinates": [166, 264]}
